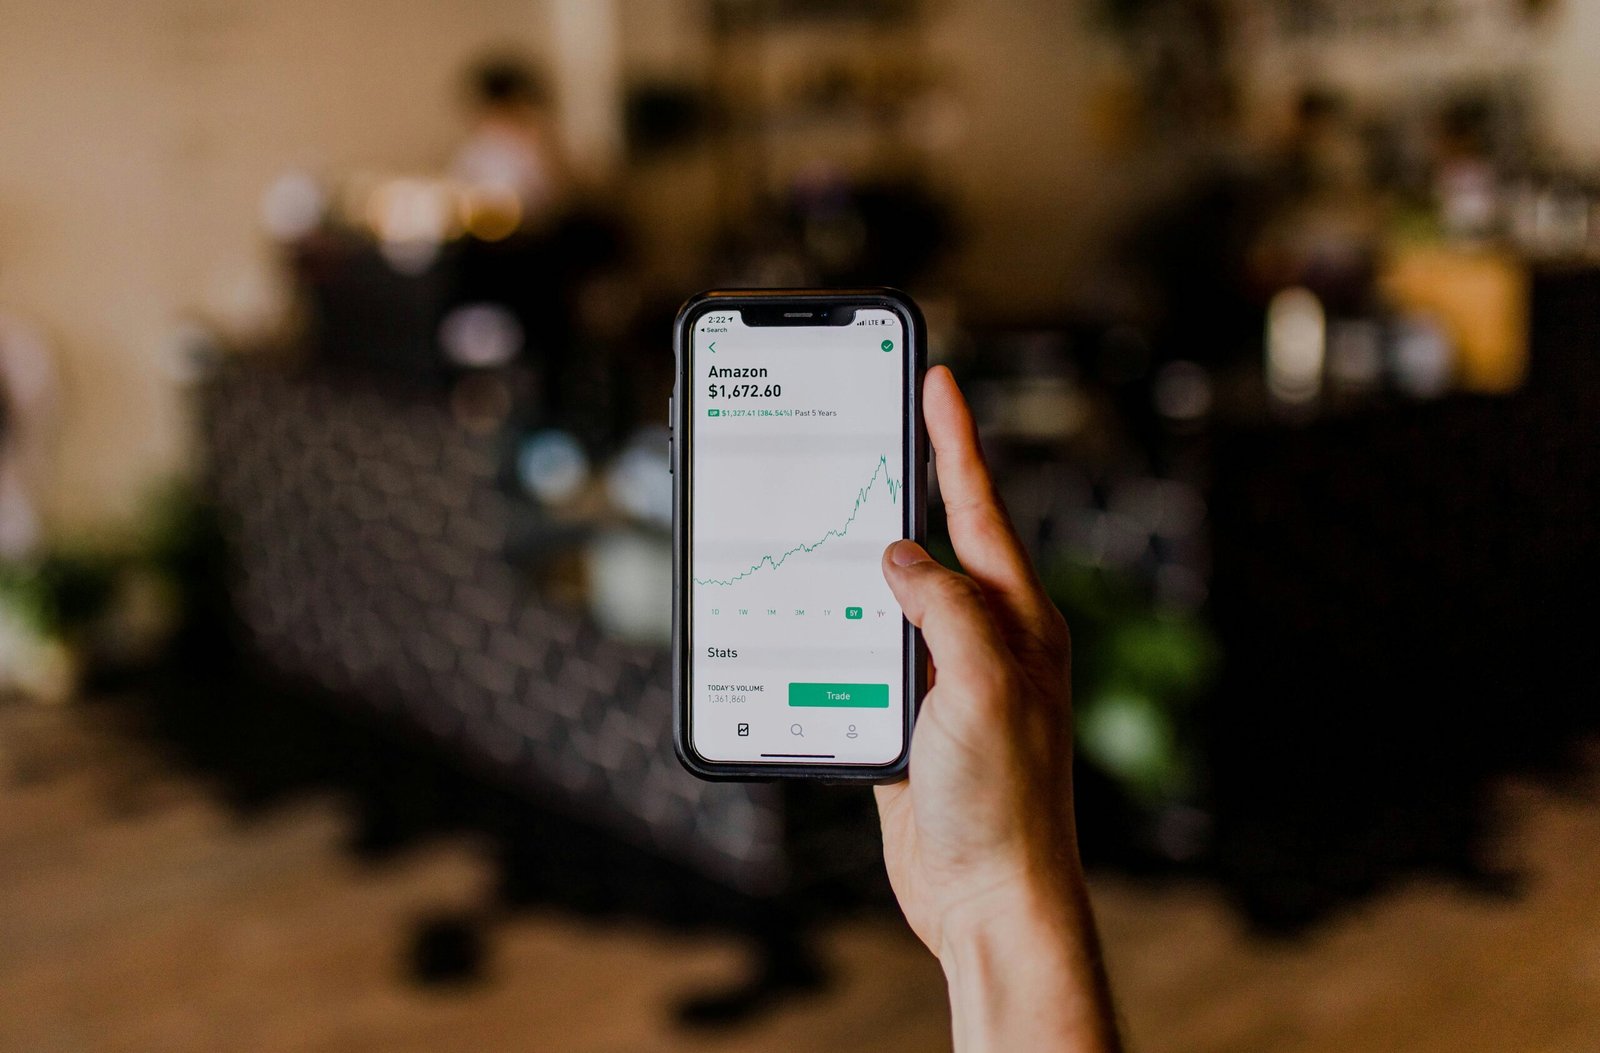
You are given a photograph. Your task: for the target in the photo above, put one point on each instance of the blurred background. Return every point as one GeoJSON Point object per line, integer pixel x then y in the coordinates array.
{"type": "Point", "coordinates": [335, 522]}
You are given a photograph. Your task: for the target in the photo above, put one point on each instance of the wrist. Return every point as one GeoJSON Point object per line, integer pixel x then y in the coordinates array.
{"type": "Point", "coordinates": [1028, 886]}
{"type": "Point", "coordinates": [1023, 967]}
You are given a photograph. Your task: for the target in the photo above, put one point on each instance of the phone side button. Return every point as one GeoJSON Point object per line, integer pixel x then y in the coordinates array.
{"type": "Point", "coordinates": [670, 470]}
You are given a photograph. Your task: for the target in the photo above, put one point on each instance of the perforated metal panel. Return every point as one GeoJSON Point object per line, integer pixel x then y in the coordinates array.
{"type": "Point", "coordinates": [367, 539]}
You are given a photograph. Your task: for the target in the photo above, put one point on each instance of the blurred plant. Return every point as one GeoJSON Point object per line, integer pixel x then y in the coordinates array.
{"type": "Point", "coordinates": [33, 664]}
{"type": "Point", "coordinates": [1181, 51]}
{"type": "Point", "coordinates": [1136, 670]}
{"type": "Point", "coordinates": [84, 607]}
{"type": "Point", "coordinates": [1126, 16]}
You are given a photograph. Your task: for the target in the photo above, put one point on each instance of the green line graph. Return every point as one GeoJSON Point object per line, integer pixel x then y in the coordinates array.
{"type": "Point", "coordinates": [774, 562]}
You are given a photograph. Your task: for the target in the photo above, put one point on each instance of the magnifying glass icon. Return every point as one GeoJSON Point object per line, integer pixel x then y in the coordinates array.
{"type": "Point", "coordinates": [796, 729]}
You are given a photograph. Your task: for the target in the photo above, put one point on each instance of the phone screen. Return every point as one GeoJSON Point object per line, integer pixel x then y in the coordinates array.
{"type": "Point", "coordinates": [798, 479]}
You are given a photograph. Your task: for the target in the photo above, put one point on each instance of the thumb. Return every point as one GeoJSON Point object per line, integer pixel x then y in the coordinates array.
{"type": "Point", "coordinates": [949, 609]}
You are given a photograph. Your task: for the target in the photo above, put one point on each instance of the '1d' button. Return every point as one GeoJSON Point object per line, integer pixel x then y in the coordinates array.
{"type": "Point", "coordinates": [839, 696]}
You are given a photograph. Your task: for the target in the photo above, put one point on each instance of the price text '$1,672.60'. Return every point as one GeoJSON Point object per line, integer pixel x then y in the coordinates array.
{"type": "Point", "coordinates": [742, 391]}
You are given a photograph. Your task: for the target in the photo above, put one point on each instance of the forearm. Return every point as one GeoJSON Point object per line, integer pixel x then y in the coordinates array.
{"type": "Point", "coordinates": [1026, 973]}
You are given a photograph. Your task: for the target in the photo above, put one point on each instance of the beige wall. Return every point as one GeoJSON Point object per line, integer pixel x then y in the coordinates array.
{"type": "Point", "coordinates": [1568, 71]}
{"type": "Point", "coordinates": [136, 138]}
{"type": "Point", "coordinates": [86, 204]}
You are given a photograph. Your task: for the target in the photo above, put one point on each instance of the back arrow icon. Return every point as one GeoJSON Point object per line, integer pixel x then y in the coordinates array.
{"type": "Point", "coordinates": [712, 347]}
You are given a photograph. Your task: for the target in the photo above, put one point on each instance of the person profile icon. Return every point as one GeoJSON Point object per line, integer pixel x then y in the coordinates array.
{"type": "Point", "coordinates": [850, 732]}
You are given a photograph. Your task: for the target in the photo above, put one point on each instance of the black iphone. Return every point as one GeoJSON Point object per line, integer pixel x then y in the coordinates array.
{"type": "Point", "coordinates": [798, 455]}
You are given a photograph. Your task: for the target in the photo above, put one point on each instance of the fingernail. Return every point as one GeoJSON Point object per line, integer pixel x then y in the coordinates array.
{"type": "Point", "coordinates": [905, 553]}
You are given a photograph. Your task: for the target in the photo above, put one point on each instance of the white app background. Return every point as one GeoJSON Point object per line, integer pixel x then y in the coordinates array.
{"type": "Point", "coordinates": [797, 480]}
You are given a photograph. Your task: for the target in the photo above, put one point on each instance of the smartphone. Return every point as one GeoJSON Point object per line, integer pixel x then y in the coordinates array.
{"type": "Point", "coordinates": [798, 456]}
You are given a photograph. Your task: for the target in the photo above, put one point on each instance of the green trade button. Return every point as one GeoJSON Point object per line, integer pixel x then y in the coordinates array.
{"type": "Point", "coordinates": [853, 613]}
{"type": "Point", "coordinates": [839, 696]}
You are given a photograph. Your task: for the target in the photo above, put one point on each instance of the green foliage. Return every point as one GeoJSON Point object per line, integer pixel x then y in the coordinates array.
{"type": "Point", "coordinates": [1136, 670]}
{"type": "Point", "coordinates": [25, 595]}
{"type": "Point", "coordinates": [70, 586]}
{"type": "Point", "coordinates": [1123, 15]}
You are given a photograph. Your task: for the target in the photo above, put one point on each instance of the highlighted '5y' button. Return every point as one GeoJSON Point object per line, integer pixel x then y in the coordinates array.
{"type": "Point", "coordinates": [839, 696]}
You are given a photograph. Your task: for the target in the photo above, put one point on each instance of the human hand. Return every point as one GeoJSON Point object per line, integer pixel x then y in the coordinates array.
{"type": "Point", "coordinates": [980, 841]}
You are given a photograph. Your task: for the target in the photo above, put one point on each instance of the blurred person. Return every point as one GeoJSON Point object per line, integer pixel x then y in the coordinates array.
{"type": "Point", "coordinates": [1323, 152]}
{"type": "Point", "coordinates": [1466, 181]}
{"type": "Point", "coordinates": [512, 148]}
{"type": "Point", "coordinates": [27, 411]}
{"type": "Point", "coordinates": [981, 842]}
{"type": "Point", "coordinates": [1328, 221]}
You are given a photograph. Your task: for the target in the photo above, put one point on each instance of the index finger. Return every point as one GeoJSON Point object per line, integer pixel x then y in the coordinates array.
{"type": "Point", "coordinates": [980, 529]}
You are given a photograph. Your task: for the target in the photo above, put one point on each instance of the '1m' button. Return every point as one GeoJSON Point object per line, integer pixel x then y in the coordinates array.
{"type": "Point", "coordinates": [839, 696]}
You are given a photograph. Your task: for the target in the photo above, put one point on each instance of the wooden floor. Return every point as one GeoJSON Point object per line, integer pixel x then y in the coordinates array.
{"type": "Point", "coordinates": [137, 915]}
